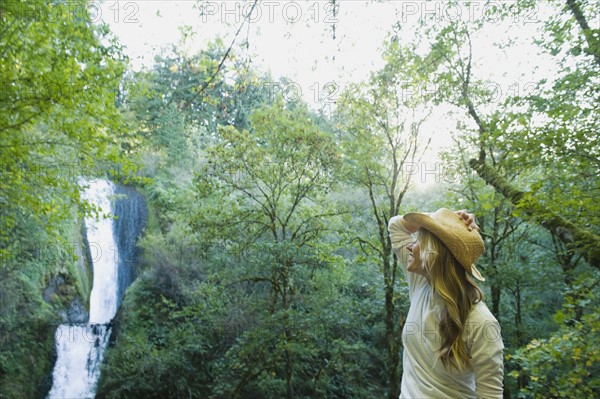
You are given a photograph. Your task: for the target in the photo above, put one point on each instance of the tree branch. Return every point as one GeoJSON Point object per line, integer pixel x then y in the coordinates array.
{"type": "Point", "coordinates": [578, 238]}
{"type": "Point", "coordinates": [365, 242]}
{"type": "Point", "coordinates": [592, 41]}
{"type": "Point", "coordinates": [214, 75]}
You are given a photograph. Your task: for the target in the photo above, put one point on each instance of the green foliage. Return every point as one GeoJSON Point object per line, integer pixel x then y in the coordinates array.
{"type": "Point", "coordinates": [567, 364]}
{"type": "Point", "coordinates": [35, 291]}
{"type": "Point", "coordinates": [160, 353]}
{"type": "Point", "coordinates": [176, 106]}
{"type": "Point", "coordinates": [243, 292]}
{"type": "Point", "coordinates": [542, 141]}
{"type": "Point", "coordinates": [194, 312]}
{"type": "Point", "coordinates": [60, 72]}
{"type": "Point", "coordinates": [277, 175]}
{"type": "Point", "coordinates": [27, 336]}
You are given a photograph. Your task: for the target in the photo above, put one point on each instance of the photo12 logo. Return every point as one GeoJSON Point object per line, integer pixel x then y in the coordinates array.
{"type": "Point", "coordinates": [293, 92]}
{"type": "Point", "coordinates": [466, 11]}
{"type": "Point", "coordinates": [88, 11]}
{"type": "Point", "coordinates": [290, 12]}
{"type": "Point", "coordinates": [493, 92]}
{"type": "Point", "coordinates": [66, 251]}
{"type": "Point", "coordinates": [55, 173]}
{"type": "Point", "coordinates": [428, 172]}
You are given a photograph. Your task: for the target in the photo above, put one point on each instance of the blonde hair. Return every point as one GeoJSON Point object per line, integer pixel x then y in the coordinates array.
{"type": "Point", "coordinates": [450, 281]}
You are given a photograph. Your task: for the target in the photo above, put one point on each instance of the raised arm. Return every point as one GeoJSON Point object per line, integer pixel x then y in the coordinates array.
{"type": "Point", "coordinates": [401, 236]}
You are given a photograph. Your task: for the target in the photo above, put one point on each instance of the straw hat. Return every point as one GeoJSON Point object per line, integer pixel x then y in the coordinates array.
{"type": "Point", "coordinates": [466, 246]}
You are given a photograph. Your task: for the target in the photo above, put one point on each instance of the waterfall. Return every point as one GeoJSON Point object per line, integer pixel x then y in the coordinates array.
{"type": "Point", "coordinates": [80, 348]}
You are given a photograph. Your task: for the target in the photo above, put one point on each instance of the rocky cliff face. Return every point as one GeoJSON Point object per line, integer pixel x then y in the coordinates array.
{"type": "Point", "coordinates": [69, 289]}
{"type": "Point", "coordinates": [131, 211]}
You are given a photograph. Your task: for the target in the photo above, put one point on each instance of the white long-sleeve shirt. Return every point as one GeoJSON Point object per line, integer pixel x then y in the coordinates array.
{"type": "Point", "coordinates": [423, 376]}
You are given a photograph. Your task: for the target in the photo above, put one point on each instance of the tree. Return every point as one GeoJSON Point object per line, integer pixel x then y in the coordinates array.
{"type": "Point", "coordinates": [60, 74]}
{"type": "Point", "coordinates": [175, 107]}
{"type": "Point", "coordinates": [555, 128]}
{"type": "Point", "coordinates": [380, 131]}
{"type": "Point", "coordinates": [277, 177]}
{"type": "Point", "coordinates": [566, 363]}
{"type": "Point", "coordinates": [496, 218]}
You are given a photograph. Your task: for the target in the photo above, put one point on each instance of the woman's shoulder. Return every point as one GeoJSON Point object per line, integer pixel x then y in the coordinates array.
{"type": "Point", "coordinates": [480, 313]}
{"type": "Point", "coordinates": [482, 326]}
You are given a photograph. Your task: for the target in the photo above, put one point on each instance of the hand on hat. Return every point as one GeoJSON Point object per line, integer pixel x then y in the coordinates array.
{"type": "Point", "coordinates": [469, 219]}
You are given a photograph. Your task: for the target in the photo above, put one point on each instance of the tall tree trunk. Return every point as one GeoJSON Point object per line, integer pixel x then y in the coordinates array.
{"type": "Point", "coordinates": [495, 287]}
{"type": "Point", "coordinates": [496, 291]}
{"type": "Point", "coordinates": [289, 361]}
{"type": "Point", "coordinates": [518, 317]}
{"type": "Point", "coordinates": [391, 334]}
{"type": "Point", "coordinates": [289, 371]}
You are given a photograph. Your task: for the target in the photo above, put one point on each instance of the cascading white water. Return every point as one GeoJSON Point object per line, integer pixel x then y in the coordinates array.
{"type": "Point", "coordinates": [80, 348]}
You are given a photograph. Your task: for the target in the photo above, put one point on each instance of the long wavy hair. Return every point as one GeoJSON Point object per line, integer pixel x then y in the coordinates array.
{"type": "Point", "coordinates": [451, 282]}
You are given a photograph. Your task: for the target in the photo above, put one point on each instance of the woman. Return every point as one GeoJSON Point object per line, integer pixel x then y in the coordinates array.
{"type": "Point", "coordinates": [452, 342]}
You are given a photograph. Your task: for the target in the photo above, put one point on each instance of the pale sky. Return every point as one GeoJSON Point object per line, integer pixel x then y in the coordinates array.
{"type": "Point", "coordinates": [294, 39]}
